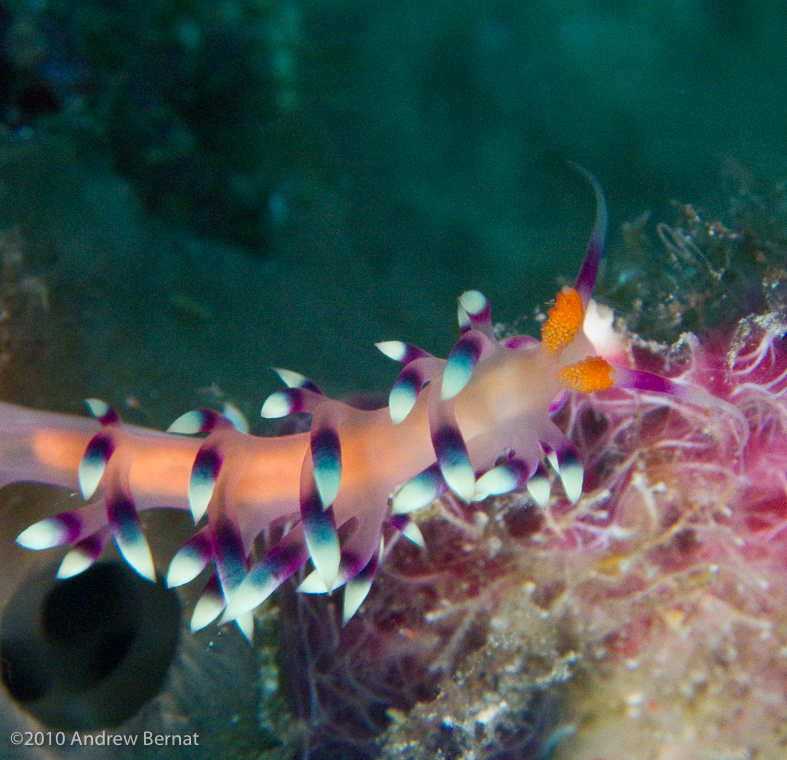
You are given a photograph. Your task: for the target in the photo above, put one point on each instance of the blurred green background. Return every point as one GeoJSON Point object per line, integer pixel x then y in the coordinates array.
{"type": "Point", "coordinates": [197, 190]}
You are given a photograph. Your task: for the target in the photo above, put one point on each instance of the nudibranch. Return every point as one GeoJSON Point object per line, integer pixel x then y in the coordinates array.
{"type": "Point", "coordinates": [473, 425]}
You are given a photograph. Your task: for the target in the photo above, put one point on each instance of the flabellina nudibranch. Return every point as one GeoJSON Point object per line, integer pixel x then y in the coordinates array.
{"type": "Point", "coordinates": [473, 425]}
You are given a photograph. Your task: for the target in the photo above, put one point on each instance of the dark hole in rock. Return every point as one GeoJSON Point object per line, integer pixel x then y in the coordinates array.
{"type": "Point", "coordinates": [88, 652]}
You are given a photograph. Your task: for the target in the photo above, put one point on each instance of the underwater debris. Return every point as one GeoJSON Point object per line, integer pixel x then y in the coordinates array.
{"type": "Point", "coordinates": [703, 272]}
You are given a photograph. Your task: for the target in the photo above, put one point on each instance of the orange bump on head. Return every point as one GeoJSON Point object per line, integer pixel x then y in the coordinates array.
{"type": "Point", "coordinates": [591, 374]}
{"type": "Point", "coordinates": [564, 322]}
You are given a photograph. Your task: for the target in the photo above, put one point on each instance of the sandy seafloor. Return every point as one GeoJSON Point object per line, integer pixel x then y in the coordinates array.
{"type": "Point", "coordinates": [438, 165]}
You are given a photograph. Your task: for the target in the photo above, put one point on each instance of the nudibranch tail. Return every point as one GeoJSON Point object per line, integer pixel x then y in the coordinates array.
{"type": "Point", "coordinates": [474, 425]}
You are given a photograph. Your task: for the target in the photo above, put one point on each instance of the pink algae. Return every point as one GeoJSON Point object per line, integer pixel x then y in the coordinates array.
{"type": "Point", "coordinates": [647, 620]}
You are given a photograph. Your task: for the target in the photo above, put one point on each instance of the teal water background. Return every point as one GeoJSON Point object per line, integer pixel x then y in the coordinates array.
{"type": "Point", "coordinates": [230, 186]}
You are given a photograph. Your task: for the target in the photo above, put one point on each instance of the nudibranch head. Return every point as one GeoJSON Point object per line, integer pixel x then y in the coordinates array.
{"type": "Point", "coordinates": [590, 374]}
{"type": "Point", "coordinates": [564, 321]}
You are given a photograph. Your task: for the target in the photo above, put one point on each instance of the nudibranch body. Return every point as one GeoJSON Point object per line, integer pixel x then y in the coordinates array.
{"type": "Point", "coordinates": [475, 424]}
